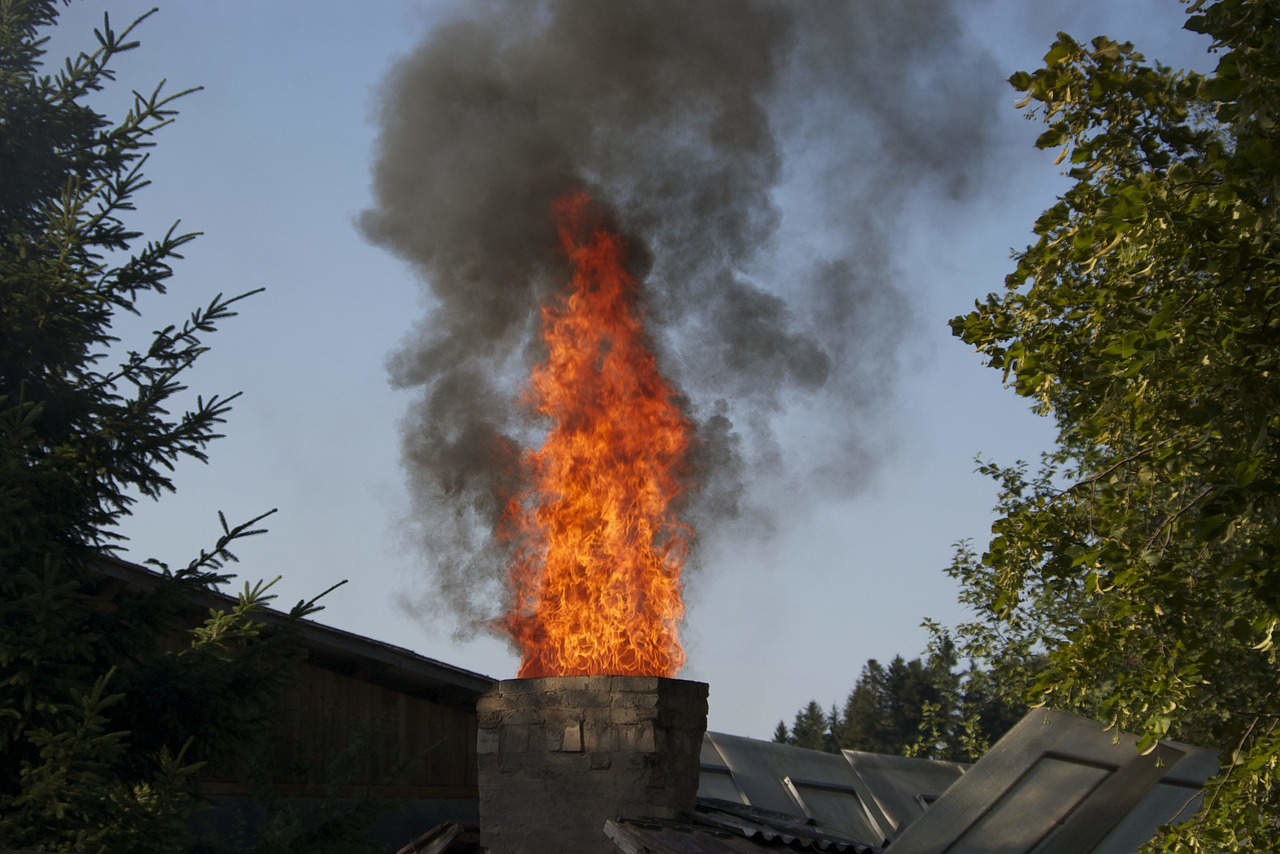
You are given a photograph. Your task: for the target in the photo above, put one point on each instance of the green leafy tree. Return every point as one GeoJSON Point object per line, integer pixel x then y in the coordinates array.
{"type": "Point", "coordinates": [1144, 556]}
{"type": "Point", "coordinates": [109, 702]}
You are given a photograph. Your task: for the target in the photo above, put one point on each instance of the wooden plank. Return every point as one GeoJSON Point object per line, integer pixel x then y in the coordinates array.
{"type": "Point", "coordinates": [414, 745]}
{"type": "Point", "coordinates": [215, 787]}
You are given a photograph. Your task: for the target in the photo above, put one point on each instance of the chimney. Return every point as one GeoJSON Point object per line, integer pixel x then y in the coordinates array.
{"type": "Point", "coordinates": [561, 754]}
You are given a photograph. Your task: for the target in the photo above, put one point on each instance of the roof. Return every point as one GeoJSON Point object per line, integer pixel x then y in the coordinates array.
{"type": "Point", "coordinates": [450, 837]}
{"type": "Point", "coordinates": [724, 827]}
{"type": "Point", "coordinates": [1059, 783]}
{"type": "Point", "coordinates": [335, 648]}
{"type": "Point", "coordinates": [1056, 782]}
{"type": "Point", "coordinates": [861, 796]}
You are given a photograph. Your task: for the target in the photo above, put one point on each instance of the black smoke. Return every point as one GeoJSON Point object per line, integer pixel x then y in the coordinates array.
{"type": "Point", "coordinates": [703, 125]}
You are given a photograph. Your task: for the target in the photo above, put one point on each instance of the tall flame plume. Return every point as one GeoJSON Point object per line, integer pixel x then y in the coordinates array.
{"type": "Point", "coordinates": [598, 549]}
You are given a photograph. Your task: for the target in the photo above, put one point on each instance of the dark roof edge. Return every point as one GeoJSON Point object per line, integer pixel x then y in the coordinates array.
{"type": "Point", "coordinates": [321, 638]}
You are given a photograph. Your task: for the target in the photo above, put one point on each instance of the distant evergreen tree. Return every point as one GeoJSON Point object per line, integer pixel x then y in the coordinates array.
{"type": "Point", "coordinates": [921, 707]}
{"type": "Point", "coordinates": [911, 687]}
{"type": "Point", "coordinates": [865, 724]}
{"type": "Point", "coordinates": [810, 728]}
{"type": "Point", "coordinates": [834, 723]}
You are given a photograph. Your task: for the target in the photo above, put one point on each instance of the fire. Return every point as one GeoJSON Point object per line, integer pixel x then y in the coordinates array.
{"type": "Point", "coordinates": [599, 551]}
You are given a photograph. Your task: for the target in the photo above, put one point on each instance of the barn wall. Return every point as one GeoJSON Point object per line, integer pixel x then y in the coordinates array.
{"type": "Point", "coordinates": [339, 734]}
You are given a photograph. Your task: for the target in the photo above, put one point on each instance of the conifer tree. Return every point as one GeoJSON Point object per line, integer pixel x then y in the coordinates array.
{"type": "Point", "coordinates": [809, 729]}
{"type": "Point", "coordinates": [865, 722]}
{"type": "Point", "coordinates": [922, 707]}
{"type": "Point", "coordinates": [103, 723]}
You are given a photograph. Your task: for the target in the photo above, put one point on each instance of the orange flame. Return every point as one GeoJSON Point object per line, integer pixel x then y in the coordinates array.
{"type": "Point", "coordinates": [596, 572]}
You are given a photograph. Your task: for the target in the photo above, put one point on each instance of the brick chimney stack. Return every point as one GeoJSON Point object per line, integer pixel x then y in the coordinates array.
{"type": "Point", "coordinates": [560, 755]}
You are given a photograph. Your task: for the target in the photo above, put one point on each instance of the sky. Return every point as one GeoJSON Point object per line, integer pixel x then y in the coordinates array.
{"type": "Point", "coordinates": [841, 550]}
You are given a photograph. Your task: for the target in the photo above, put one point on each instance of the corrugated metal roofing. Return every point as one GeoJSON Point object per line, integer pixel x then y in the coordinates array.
{"type": "Point", "coordinates": [1055, 783]}
{"type": "Point", "coordinates": [902, 787]}
{"type": "Point", "coordinates": [861, 796]}
{"type": "Point", "coordinates": [725, 827]}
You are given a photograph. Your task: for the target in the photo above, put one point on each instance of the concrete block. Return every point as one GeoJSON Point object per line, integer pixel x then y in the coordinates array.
{"type": "Point", "coordinates": [627, 713]}
{"type": "Point", "coordinates": [637, 738]}
{"type": "Point", "coordinates": [571, 738]}
{"type": "Point", "coordinates": [637, 761]}
{"type": "Point", "coordinates": [573, 699]}
{"type": "Point", "coordinates": [508, 688]}
{"type": "Point", "coordinates": [515, 738]}
{"type": "Point", "coordinates": [600, 735]}
{"type": "Point", "coordinates": [648, 703]}
{"type": "Point", "coordinates": [600, 685]}
{"type": "Point", "coordinates": [523, 715]}
{"type": "Point", "coordinates": [632, 684]}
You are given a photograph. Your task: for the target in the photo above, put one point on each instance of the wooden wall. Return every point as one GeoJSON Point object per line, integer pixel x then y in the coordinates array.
{"type": "Point", "coordinates": [341, 735]}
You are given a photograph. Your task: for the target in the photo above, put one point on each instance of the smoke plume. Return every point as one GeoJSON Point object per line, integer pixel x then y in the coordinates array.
{"type": "Point", "coordinates": [759, 156]}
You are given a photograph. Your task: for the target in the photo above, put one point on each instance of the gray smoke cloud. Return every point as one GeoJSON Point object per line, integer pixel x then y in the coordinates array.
{"type": "Point", "coordinates": [703, 126]}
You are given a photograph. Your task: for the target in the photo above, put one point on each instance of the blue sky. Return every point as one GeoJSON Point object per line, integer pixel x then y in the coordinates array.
{"type": "Point", "coordinates": [272, 161]}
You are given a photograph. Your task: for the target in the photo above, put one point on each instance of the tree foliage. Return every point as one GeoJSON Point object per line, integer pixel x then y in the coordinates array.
{"type": "Point", "coordinates": [108, 701]}
{"type": "Point", "coordinates": [1145, 319]}
{"type": "Point", "coordinates": [922, 707]}
{"type": "Point", "coordinates": [811, 728]}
